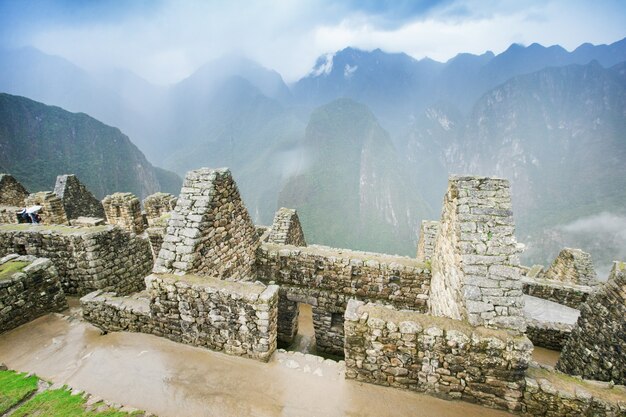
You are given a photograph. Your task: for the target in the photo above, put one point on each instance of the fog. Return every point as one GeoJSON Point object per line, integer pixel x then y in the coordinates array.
{"type": "Point", "coordinates": [166, 41]}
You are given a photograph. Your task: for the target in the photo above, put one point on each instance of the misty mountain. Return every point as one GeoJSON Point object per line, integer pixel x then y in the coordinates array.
{"type": "Point", "coordinates": [398, 87]}
{"type": "Point", "coordinates": [558, 134]}
{"type": "Point", "coordinates": [352, 193]}
{"type": "Point", "coordinates": [39, 142]}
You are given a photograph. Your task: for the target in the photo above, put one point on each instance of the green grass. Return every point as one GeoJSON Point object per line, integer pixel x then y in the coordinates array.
{"type": "Point", "coordinates": [13, 388]}
{"type": "Point", "coordinates": [60, 403]}
{"type": "Point", "coordinates": [7, 269]}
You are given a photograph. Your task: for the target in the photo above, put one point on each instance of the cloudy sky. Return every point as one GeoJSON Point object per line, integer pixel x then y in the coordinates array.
{"type": "Point", "coordinates": [166, 40]}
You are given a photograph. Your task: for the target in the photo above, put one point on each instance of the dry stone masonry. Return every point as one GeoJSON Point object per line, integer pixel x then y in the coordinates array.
{"type": "Point", "coordinates": [52, 210]}
{"type": "Point", "coordinates": [572, 266]}
{"type": "Point", "coordinates": [328, 278]}
{"type": "Point", "coordinates": [87, 259]}
{"type": "Point", "coordinates": [29, 288]}
{"type": "Point", "coordinates": [124, 210]}
{"type": "Point", "coordinates": [475, 267]}
{"type": "Point", "coordinates": [209, 232]}
{"type": "Point", "coordinates": [238, 318]}
{"type": "Point", "coordinates": [426, 242]}
{"type": "Point", "coordinates": [423, 353]}
{"type": "Point", "coordinates": [597, 347]}
{"type": "Point", "coordinates": [157, 205]}
{"type": "Point", "coordinates": [571, 295]}
{"type": "Point", "coordinates": [221, 283]}
{"type": "Point", "coordinates": [12, 193]}
{"type": "Point", "coordinates": [286, 228]}
{"type": "Point", "coordinates": [77, 200]}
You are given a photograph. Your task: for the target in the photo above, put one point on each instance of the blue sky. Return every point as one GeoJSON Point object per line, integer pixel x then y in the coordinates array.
{"type": "Point", "coordinates": [166, 40]}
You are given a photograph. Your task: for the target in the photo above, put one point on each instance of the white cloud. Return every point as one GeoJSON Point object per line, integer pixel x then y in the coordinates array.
{"type": "Point", "coordinates": [169, 43]}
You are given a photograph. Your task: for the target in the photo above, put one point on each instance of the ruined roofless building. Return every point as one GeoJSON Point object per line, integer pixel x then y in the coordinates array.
{"type": "Point", "coordinates": [77, 200]}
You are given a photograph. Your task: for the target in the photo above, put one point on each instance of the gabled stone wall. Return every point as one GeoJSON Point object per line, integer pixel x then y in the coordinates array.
{"type": "Point", "coordinates": [475, 266]}
{"type": "Point", "coordinates": [77, 200]}
{"type": "Point", "coordinates": [52, 211]}
{"type": "Point", "coordinates": [124, 210]}
{"type": "Point", "coordinates": [87, 259]}
{"type": "Point", "coordinates": [157, 205]}
{"type": "Point", "coordinates": [572, 266]}
{"type": "Point", "coordinates": [286, 228]}
{"type": "Point", "coordinates": [415, 351]}
{"type": "Point", "coordinates": [12, 193]}
{"type": "Point", "coordinates": [427, 238]}
{"type": "Point", "coordinates": [209, 232]}
{"type": "Point", "coordinates": [29, 288]}
{"type": "Point", "coordinates": [597, 347]}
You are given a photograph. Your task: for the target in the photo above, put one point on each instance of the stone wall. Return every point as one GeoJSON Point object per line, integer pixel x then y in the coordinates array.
{"type": "Point", "coordinates": [238, 318]}
{"type": "Point", "coordinates": [29, 288]}
{"type": "Point", "coordinates": [12, 193]}
{"type": "Point", "coordinates": [209, 232]}
{"type": "Point", "coordinates": [157, 205]}
{"type": "Point", "coordinates": [8, 214]}
{"type": "Point", "coordinates": [87, 259]}
{"type": "Point", "coordinates": [597, 347]}
{"type": "Point", "coordinates": [552, 394]}
{"type": "Point", "coordinates": [112, 313]}
{"type": "Point", "coordinates": [52, 211]}
{"type": "Point", "coordinates": [571, 295]}
{"type": "Point", "coordinates": [572, 266]}
{"type": "Point", "coordinates": [286, 228]}
{"type": "Point", "coordinates": [77, 200]}
{"type": "Point", "coordinates": [548, 334]}
{"type": "Point", "coordinates": [449, 358]}
{"type": "Point", "coordinates": [426, 242]}
{"type": "Point", "coordinates": [155, 236]}
{"type": "Point", "coordinates": [475, 267]}
{"type": "Point", "coordinates": [327, 278]}
{"type": "Point", "coordinates": [124, 210]}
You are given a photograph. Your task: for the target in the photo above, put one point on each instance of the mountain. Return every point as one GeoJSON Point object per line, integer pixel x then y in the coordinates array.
{"type": "Point", "coordinates": [39, 142]}
{"type": "Point", "coordinates": [557, 133]}
{"type": "Point", "coordinates": [352, 190]}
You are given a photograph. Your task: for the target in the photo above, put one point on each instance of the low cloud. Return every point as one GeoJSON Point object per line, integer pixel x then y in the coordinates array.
{"type": "Point", "coordinates": [165, 41]}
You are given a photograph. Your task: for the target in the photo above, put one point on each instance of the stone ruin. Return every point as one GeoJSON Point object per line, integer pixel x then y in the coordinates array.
{"type": "Point", "coordinates": [209, 232]}
{"type": "Point", "coordinates": [77, 200]}
{"type": "Point", "coordinates": [475, 268]}
{"type": "Point", "coordinates": [427, 238]}
{"type": "Point", "coordinates": [572, 266]}
{"type": "Point", "coordinates": [452, 323]}
{"type": "Point", "coordinates": [52, 210]}
{"type": "Point", "coordinates": [158, 205]}
{"type": "Point", "coordinates": [597, 347]}
{"type": "Point", "coordinates": [12, 193]}
{"type": "Point", "coordinates": [286, 228]}
{"type": "Point", "coordinates": [124, 210]}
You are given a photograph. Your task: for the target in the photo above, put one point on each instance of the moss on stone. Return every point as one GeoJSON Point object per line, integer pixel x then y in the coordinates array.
{"type": "Point", "coordinates": [568, 383]}
{"type": "Point", "coordinates": [9, 268]}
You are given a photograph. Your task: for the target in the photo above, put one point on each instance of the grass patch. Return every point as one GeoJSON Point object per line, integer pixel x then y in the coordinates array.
{"type": "Point", "coordinates": [60, 403]}
{"type": "Point", "coordinates": [8, 268]}
{"type": "Point", "coordinates": [13, 388]}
